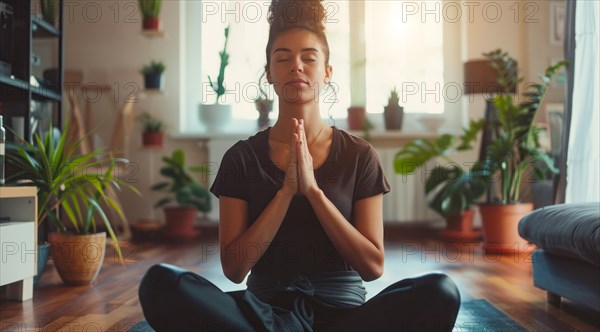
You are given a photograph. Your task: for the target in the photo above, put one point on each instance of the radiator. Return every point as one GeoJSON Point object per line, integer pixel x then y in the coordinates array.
{"type": "Point", "coordinates": [406, 201]}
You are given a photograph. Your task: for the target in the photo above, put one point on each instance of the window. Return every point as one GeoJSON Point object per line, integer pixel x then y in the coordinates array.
{"type": "Point", "coordinates": [404, 50]}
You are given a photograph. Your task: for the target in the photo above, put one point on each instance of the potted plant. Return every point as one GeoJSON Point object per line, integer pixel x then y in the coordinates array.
{"type": "Point", "coordinates": [514, 150]}
{"type": "Point", "coordinates": [150, 10]}
{"type": "Point", "coordinates": [453, 191]}
{"type": "Point", "coordinates": [74, 184]}
{"type": "Point", "coordinates": [49, 10]}
{"type": "Point", "coordinates": [264, 105]}
{"type": "Point", "coordinates": [393, 113]}
{"type": "Point", "coordinates": [215, 116]}
{"type": "Point", "coordinates": [152, 132]}
{"type": "Point", "coordinates": [189, 196]}
{"type": "Point", "coordinates": [153, 74]}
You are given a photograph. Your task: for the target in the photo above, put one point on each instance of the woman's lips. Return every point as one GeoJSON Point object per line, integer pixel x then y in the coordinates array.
{"type": "Point", "coordinates": [296, 82]}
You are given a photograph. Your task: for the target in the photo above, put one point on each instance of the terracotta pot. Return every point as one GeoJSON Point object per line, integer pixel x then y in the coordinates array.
{"type": "Point", "coordinates": [356, 118]}
{"type": "Point", "coordinates": [78, 258]}
{"type": "Point", "coordinates": [500, 227]}
{"type": "Point", "coordinates": [180, 222]}
{"type": "Point", "coordinates": [152, 138]}
{"type": "Point", "coordinates": [459, 226]}
{"type": "Point", "coordinates": [151, 23]}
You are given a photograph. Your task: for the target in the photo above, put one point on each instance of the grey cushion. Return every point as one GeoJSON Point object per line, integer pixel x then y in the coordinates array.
{"type": "Point", "coordinates": [571, 230]}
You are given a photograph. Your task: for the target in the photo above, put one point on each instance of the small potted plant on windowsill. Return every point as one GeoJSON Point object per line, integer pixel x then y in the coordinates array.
{"type": "Point", "coordinates": [453, 190]}
{"type": "Point", "coordinates": [153, 130]}
{"type": "Point", "coordinates": [153, 74]}
{"type": "Point", "coordinates": [189, 196]}
{"type": "Point", "coordinates": [264, 106]}
{"type": "Point", "coordinates": [393, 113]}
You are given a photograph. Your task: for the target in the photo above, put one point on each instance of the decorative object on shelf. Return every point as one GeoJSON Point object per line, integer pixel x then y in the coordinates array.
{"type": "Point", "coordinates": [356, 118]}
{"type": "Point", "coordinates": [49, 10]}
{"type": "Point", "coordinates": [153, 74]}
{"type": "Point", "coordinates": [432, 123]}
{"type": "Point", "coordinates": [64, 182]}
{"type": "Point", "coordinates": [152, 132]}
{"type": "Point", "coordinates": [454, 190]}
{"type": "Point", "coordinates": [264, 106]}
{"type": "Point", "coordinates": [513, 151]}
{"type": "Point", "coordinates": [217, 115]}
{"type": "Point", "coordinates": [150, 10]}
{"type": "Point", "coordinates": [190, 197]}
{"type": "Point", "coordinates": [393, 113]}
{"type": "Point", "coordinates": [6, 38]}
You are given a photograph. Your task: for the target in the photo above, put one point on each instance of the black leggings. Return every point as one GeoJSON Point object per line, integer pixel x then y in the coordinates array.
{"type": "Point", "coordinates": [174, 299]}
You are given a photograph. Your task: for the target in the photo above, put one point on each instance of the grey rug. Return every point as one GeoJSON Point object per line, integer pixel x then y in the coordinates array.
{"type": "Point", "coordinates": [475, 315]}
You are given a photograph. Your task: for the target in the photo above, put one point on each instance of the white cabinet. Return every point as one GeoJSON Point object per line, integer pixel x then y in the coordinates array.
{"type": "Point", "coordinates": [18, 236]}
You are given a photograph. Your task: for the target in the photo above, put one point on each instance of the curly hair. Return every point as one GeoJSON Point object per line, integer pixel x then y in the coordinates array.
{"type": "Point", "coordinates": [286, 15]}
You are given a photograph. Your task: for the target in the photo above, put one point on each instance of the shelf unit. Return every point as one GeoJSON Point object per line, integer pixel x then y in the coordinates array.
{"type": "Point", "coordinates": [25, 92]}
{"type": "Point", "coordinates": [18, 239]}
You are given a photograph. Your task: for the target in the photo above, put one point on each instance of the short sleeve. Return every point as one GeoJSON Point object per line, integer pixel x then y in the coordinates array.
{"type": "Point", "coordinates": [230, 179]}
{"type": "Point", "coordinates": [370, 180]}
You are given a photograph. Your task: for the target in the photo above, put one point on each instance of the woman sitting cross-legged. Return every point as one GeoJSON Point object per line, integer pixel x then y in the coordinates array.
{"type": "Point", "coordinates": [301, 211]}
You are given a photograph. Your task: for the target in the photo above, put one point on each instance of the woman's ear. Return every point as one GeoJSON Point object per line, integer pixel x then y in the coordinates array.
{"type": "Point", "coordinates": [328, 73]}
{"type": "Point", "coordinates": [269, 77]}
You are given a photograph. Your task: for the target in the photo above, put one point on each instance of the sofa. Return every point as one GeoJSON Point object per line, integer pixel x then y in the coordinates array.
{"type": "Point", "coordinates": [566, 262]}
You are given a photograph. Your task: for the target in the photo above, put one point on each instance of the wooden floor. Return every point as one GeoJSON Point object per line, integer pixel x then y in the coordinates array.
{"type": "Point", "coordinates": [111, 304]}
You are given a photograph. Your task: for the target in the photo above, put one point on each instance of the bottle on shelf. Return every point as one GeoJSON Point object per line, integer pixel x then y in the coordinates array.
{"type": "Point", "coordinates": [2, 150]}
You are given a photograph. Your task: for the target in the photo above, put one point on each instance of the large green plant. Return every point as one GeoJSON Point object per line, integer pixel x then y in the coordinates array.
{"type": "Point", "coordinates": [64, 178]}
{"type": "Point", "coordinates": [452, 188]}
{"type": "Point", "coordinates": [150, 8]}
{"type": "Point", "coordinates": [181, 187]}
{"type": "Point", "coordinates": [516, 147]}
{"type": "Point", "coordinates": [218, 86]}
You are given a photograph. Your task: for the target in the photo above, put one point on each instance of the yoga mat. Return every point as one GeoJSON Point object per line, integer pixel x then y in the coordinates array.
{"type": "Point", "coordinates": [475, 315]}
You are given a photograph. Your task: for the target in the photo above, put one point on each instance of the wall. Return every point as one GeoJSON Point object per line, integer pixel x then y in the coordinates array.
{"type": "Point", "coordinates": [107, 45]}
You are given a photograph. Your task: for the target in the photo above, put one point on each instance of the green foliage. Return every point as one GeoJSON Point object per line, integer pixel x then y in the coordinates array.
{"type": "Point", "coordinates": [150, 8]}
{"type": "Point", "coordinates": [452, 189]}
{"type": "Point", "coordinates": [154, 67]}
{"type": "Point", "coordinates": [49, 10]}
{"type": "Point", "coordinates": [218, 86]}
{"type": "Point", "coordinates": [394, 100]}
{"type": "Point", "coordinates": [516, 146]}
{"type": "Point", "coordinates": [149, 123]}
{"type": "Point", "coordinates": [181, 187]}
{"type": "Point", "coordinates": [64, 178]}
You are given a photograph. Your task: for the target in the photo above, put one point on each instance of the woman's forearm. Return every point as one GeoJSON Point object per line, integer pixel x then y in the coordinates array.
{"type": "Point", "coordinates": [362, 254]}
{"type": "Point", "coordinates": [240, 256]}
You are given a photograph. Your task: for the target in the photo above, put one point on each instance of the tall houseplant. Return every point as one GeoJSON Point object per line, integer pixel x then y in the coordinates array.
{"type": "Point", "coordinates": [452, 190]}
{"type": "Point", "coordinates": [150, 10]}
{"type": "Point", "coordinates": [215, 116]}
{"type": "Point", "coordinates": [72, 183]}
{"type": "Point", "coordinates": [187, 194]}
{"type": "Point", "coordinates": [514, 150]}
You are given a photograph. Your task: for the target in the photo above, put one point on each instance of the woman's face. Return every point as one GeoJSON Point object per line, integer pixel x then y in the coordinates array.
{"type": "Point", "coordinates": [297, 70]}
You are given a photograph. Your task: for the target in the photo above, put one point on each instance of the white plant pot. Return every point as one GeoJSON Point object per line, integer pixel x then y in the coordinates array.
{"type": "Point", "coordinates": [214, 117]}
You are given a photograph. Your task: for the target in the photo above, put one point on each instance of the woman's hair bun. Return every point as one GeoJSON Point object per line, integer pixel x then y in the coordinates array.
{"type": "Point", "coordinates": [290, 14]}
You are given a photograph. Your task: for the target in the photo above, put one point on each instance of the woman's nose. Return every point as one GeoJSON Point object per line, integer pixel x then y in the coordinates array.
{"type": "Point", "coordinates": [296, 67]}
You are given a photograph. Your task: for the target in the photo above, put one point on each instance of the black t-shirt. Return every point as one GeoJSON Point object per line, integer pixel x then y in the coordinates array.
{"type": "Point", "coordinates": [351, 172]}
